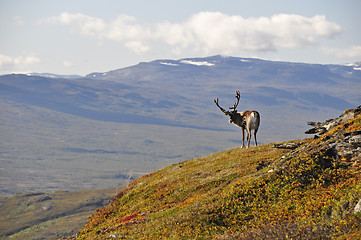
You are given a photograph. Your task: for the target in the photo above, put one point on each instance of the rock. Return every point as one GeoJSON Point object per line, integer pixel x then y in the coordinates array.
{"type": "Point", "coordinates": [345, 146]}
{"type": "Point", "coordinates": [114, 235]}
{"type": "Point", "coordinates": [48, 206]}
{"type": "Point", "coordinates": [357, 208]}
{"type": "Point", "coordinates": [44, 198]}
{"type": "Point", "coordinates": [287, 145]}
{"type": "Point", "coordinates": [321, 128]}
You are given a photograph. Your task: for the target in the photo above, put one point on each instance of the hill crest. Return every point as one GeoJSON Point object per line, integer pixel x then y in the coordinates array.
{"type": "Point", "coordinates": [262, 192]}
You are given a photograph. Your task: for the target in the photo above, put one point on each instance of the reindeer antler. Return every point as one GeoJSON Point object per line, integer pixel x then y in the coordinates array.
{"type": "Point", "coordinates": [238, 96]}
{"type": "Point", "coordinates": [216, 102]}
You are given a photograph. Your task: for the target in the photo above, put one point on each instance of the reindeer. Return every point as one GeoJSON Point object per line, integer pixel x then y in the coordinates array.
{"type": "Point", "coordinates": [248, 120]}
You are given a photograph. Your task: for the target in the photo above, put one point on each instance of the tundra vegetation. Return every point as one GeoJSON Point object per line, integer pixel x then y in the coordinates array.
{"type": "Point", "coordinates": [37, 215]}
{"type": "Point", "coordinates": [308, 191]}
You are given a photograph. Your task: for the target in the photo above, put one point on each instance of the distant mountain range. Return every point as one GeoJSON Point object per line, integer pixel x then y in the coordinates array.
{"type": "Point", "coordinates": [174, 95]}
{"type": "Point", "coordinates": [52, 75]}
{"type": "Point", "coordinates": [149, 92]}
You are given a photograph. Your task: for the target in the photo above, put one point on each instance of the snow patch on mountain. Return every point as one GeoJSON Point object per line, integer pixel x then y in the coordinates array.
{"type": "Point", "coordinates": [203, 63]}
{"type": "Point", "coordinates": [52, 75]}
{"type": "Point", "coordinates": [169, 64]}
{"type": "Point", "coordinates": [356, 66]}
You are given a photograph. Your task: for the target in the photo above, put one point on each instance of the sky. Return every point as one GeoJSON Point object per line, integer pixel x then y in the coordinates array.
{"type": "Point", "coordinates": [85, 36]}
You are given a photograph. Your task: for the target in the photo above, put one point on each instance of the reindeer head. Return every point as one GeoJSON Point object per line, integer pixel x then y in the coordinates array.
{"type": "Point", "coordinates": [234, 117]}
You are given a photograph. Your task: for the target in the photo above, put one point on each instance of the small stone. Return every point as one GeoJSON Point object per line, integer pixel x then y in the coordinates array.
{"type": "Point", "coordinates": [47, 206]}
{"type": "Point", "coordinates": [114, 235]}
{"type": "Point", "coordinates": [287, 145]}
{"type": "Point", "coordinates": [357, 208]}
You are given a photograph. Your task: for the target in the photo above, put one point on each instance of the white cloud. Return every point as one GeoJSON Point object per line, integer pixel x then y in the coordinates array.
{"type": "Point", "coordinates": [18, 20]}
{"type": "Point", "coordinates": [67, 64]}
{"type": "Point", "coordinates": [345, 52]}
{"type": "Point", "coordinates": [215, 31]}
{"type": "Point", "coordinates": [86, 25]}
{"type": "Point", "coordinates": [5, 61]}
{"type": "Point", "coordinates": [126, 28]}
{"type": "Point", "coordinates": [205, 32]}
{"type": "Point", "coordinates": [27, 60]}
{"type": "Point", "coordinates": [137, 46]}
{"type": "Point", "coordinates": [9, 62]}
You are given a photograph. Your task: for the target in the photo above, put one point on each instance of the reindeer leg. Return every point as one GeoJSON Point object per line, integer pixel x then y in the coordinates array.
{"type": "Point", "coordinates": [242, 137]}
{"type": "Point", "coordinates": [255, 138]}
{"type": "Point", "coordinates": [248, 137]}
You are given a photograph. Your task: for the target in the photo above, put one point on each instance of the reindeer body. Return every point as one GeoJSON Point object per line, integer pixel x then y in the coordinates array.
{"type": "Point", "coordinates": [251, 122]}
{"type": "Point", "coordinates": [248, 120]}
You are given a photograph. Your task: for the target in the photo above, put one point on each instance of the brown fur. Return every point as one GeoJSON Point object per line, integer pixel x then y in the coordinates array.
{"type": "Point", "coordinates": [249, 120]}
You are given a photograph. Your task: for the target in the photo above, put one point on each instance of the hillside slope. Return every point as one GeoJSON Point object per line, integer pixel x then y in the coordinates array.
{"type": "Point", "coordinates": [258, 193]}
{"type": "Point", "coordinates": [36, 215]}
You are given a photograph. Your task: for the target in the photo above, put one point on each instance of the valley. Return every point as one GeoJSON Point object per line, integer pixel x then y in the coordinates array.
{"type": "Point", "coordinates": [104, 130]}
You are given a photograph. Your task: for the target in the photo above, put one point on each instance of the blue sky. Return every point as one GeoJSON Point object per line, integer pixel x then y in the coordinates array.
{"type": "Point", "coordinates": [83, 36]}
